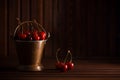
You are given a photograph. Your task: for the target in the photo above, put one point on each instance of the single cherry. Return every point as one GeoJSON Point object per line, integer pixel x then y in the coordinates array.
{"type": "Point", "coordinates": [22, 36]}
{"type": "Point", "coordinates": [61, 66]}
{"type": "Point", "coordinates": [35, 32]}
{"type": "Point", "coordinates": [58, 65]}
{"type": "Point", "coordinates": [27, 33]}
{"type": "Point", "coordinates": [70, 65]}
{"type": "Point", "coordinates": [64, 68]}
{"type": "Point", "coordinates": [42, 35]}
{"type": "Point", "coordinates": [35, 37]}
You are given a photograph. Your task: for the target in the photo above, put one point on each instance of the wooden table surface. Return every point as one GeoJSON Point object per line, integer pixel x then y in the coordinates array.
{"type": "Point", "coordinates": [84, 70]}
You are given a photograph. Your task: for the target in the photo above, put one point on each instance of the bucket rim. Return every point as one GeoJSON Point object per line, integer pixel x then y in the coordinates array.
{"type": "Point", "coordinates": [30, 41]}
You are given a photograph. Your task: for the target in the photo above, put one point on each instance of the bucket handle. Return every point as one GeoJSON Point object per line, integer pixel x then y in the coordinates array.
{"type": "Point", "coordinates": [34, 21]}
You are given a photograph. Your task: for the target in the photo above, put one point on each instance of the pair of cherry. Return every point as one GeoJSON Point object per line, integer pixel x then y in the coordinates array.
{"type": "Point", "coordinates": [64, 65]}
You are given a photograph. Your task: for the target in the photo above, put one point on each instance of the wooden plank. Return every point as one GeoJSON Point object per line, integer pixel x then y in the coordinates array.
{"type": "Point", "coordinates": [37, 10]}
{"type": "Point", "coordinates": [113, 29]}
{"type": "Point", "coordinates": [84, 28]}
{"type": "Point", "coordinates": [6, 24]}
{"type": "Point", "coordinates": [90, 69]}
{"type": "Point", "coordinates": [47, 23]}
{"type": "Point", "coordinates": [105, 28]}
{"type": "Point", "coordinates": [3, 31]}
{"type": "Point", "coordinates": [25, 10]}
{"type": "Point", "coordinates": [61, 24]}
{"type": "Point", "coordinates": [55, 26]}
{"type": "Point", "coordinates": [19, 8]}
{"type": "Point", "coordinates": [100, 28]}
{"type": "Point", "coordinates": [78, 29]}
{"type": "Point", "coordinates": [91, 29]}
{"type": "Point", "coordinates": [57, 16]}
{"type": "Point", "coordinates": [70, 26]}
{"type": "Point", "coordinates": [12, 23]}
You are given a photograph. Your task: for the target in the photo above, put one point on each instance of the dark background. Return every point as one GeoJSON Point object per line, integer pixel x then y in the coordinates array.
{"type": "Point", "coordinates": [89, 28]}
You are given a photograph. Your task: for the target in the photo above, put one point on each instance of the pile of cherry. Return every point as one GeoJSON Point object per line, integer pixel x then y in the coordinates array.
{"type": "Point", "coordinates": [30, 31]}
{"type": "Point", "coordinates": [30, 35]}
{"type": "Point", "coordinates": [65, 65]}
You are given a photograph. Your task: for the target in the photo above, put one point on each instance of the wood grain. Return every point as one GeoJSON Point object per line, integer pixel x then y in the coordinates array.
{"type": "Point", "coordinates": [84, 69]}
{"type": "Point", "coordinates": [88, 28]}
{"type": "Point", "coordinates": [3, 29]}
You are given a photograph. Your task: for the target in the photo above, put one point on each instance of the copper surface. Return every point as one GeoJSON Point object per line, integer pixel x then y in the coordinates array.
{"type": "Point", "coordinates": [30, 54]}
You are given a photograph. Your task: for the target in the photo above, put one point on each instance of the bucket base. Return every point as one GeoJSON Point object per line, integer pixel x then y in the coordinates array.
{"type": "Point", "coordinates": [29, 68]}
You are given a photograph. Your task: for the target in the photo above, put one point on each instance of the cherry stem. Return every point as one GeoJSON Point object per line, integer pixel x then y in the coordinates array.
{"type": "Point", "coordinates": [57, 54]}
{"type": "Point", "coordinates": [34, 20]}
{"type": "Point", "coordinates": [31, 27]}
{"type": "Point", "coordinates": [66, 56]}
{"type": "Point", "coordinates": [70, 55]}
{"type": "Point", "coordinates": [18, 19]}
{"type": "Point", "coordinates": [19, 22]}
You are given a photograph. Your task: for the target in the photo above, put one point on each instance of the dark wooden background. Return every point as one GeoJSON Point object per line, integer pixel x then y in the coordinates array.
{"type": "Point", "coordinates": [88, 27]}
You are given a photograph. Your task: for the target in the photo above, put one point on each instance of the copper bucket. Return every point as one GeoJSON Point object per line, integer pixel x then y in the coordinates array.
{"type": "Point", "coordinates": [29, 53]}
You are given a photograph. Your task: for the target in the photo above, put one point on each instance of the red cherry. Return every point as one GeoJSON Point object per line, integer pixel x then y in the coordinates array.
{"type": "Point", "coordinates": [27, 32]}
{"type": "Point", "coordinates": [35, 37]}
{"type": "Point", "coordinates": [22, 36]}
{"type": "Point", "coordinates": [59, 65]}
{"type": "Point", "coordinates": [70, 65]}
{"type": "Point", "coordinates": [64, 68]}
{"type": "Point", "coordinates": [35, 33]}
{"type": "Point", "coordinates": [42, 35]}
